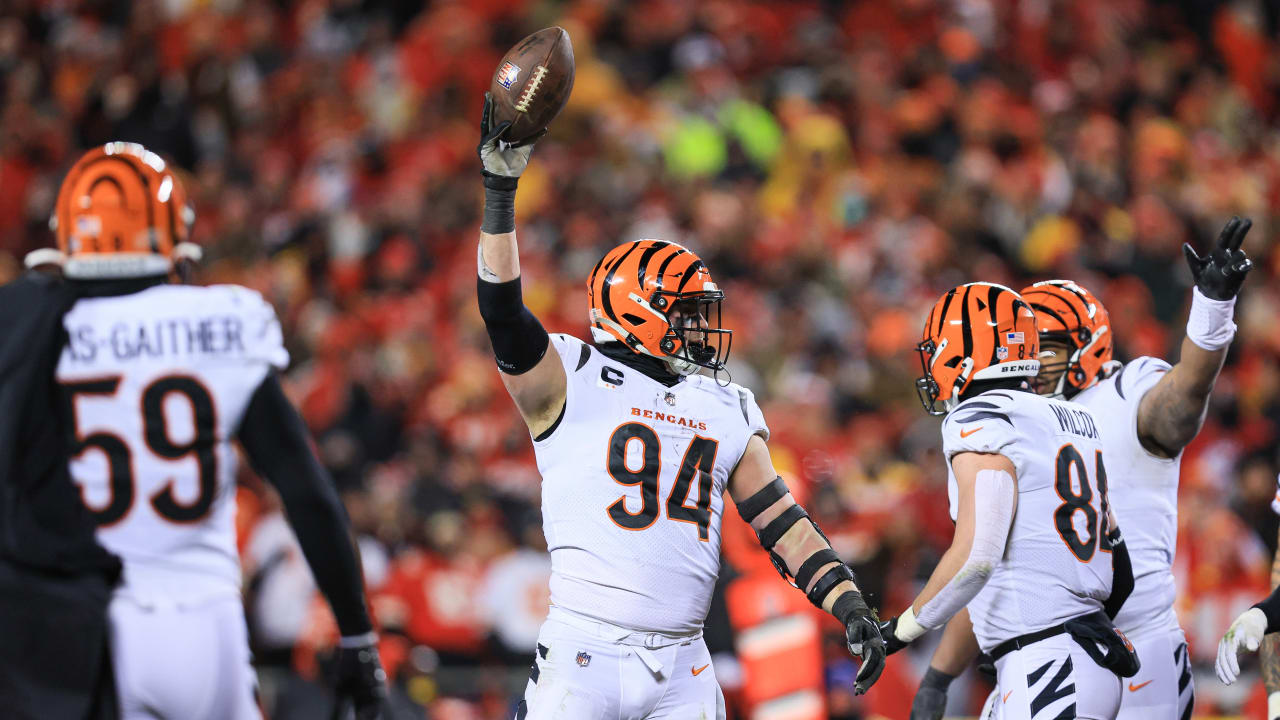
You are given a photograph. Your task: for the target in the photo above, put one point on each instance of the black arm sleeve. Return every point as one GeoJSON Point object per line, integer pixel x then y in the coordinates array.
{"type": "Point", "coordinates": [278, 447]}
{"type": "Point", "coordinates": [1121, 576]}
{"type": "Point", "coordinates": [519, 340]}
{"type": "Point", "coordinates": [1271, 608]}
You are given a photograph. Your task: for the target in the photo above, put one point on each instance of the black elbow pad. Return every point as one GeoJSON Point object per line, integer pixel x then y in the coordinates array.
{"type": "Point", "coordinates": [519, 340]}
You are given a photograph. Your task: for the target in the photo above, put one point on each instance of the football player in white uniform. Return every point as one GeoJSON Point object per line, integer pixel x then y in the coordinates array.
{"type": "Point", "coordinates": [1037, 556]}
{"type": "Point", "coordinates": [159, 380]}
{"type": "Point", "coordinates": [1147, 412]}
{"type": "Point", "coordinates": [1250, 632]}
{"type": "Point", "coordinates": [636, 449]}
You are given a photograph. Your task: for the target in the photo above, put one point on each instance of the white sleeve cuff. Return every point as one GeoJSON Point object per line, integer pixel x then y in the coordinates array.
{"type": "Point", "coordinates": [1210, 325]}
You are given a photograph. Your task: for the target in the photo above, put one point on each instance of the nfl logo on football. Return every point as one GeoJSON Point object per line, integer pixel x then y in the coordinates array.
{"type": "Point", "coordinates": [508, 74]}
{"type": "Point", "coordinates": [583, 659]}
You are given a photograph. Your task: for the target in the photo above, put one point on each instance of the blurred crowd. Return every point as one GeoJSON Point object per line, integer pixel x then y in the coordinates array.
{"type": "Point", "coordinates": [837, 164]}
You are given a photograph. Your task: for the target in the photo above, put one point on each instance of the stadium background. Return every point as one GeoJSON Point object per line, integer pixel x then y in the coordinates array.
{"type": "Point", "coordinates": [837, 164]}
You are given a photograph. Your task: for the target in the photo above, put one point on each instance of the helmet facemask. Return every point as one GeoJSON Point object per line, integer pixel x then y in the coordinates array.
{"type": "Point", "coordinates": [695, 337]}
{"type": "Point", "coordinates": [927, 387]}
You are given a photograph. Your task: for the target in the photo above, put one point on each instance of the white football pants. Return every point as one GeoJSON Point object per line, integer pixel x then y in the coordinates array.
{"type": "Point", "coordinates": [589, 670]}
{"type": "Point", "coordinates": [183, 663]}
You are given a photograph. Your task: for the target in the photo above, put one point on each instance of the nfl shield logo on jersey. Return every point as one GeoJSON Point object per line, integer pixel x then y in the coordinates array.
{"type": "Point", "coordinates": [508, 74]}
{"type": "Point", "coordinates": [1002, 353]}
{"type": "Point", "coordinates": [583, 659]}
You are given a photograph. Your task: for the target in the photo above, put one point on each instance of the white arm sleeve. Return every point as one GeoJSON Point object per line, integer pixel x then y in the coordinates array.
{"type": "Point", "coordinates": [994, 494]}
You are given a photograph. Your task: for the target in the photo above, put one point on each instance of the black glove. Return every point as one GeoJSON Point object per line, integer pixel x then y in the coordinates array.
{"type": "Point", "coordinates": [862, 636]}
{"type": "Point", "coordinates": [931, 699]}
{"type": "Point", "coordinates": [891, 642]}
{"type": "Point", "coordinates": [361, 681]}
{"type": "Point", "coordinates": [1220, 273]}
{"type": "Point", "coordinates": [987, 667]}
{"type": "Point", "coordinates": [503, 162]}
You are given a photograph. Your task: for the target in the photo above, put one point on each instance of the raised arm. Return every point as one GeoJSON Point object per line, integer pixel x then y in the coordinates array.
{"type": "Point", "coordinates": [534, 377]}
{"type": "Point", "coordinates": [804, 556]}
{"type": "Point", "coordinates": [987, 499]}
{"type": "Point", "coordinates": [1172, 412]}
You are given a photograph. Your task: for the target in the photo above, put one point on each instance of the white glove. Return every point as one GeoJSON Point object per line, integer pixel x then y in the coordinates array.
{"type": "Point", "coordinates": [1246, 631]}
{"type": "Point", "coordinates": [500, 158]}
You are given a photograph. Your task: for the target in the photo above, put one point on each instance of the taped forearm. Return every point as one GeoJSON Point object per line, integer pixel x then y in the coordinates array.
{"type": "Point", "coordinates": [277, 445]}
{"type": "Point", "coordinates": [519, 340]}
{"type": "Point", "coordinates": [994, 498]}
{"type": "Point", "coordinates": [499, 206]}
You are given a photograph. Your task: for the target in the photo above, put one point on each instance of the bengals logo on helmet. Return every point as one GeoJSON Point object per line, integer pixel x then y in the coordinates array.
{"type": "Point", "coordinates": [978, 331]}
{"type": "Point", "coordinates": [657, 298]}
{"type": "Point", "coordinates": [1070, 314]}
{"type": "Point", "coordinates": [121, 213]}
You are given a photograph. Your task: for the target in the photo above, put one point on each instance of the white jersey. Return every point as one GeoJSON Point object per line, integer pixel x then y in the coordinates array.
{"type": "Point", "coordinates": [157, 383]}
{"type": "Point", "coordinates": [1143, 491]}
{"type": "Point", "coordinates": [1056, 565]}
{"type": "Point", "coordinates": [633, 477]}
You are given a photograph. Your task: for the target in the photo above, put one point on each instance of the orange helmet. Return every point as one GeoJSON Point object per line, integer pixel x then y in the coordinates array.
{"type": "Point", "coordinates": [1067, 312]}
{"type": "Point", "coordinates": [978, 331]}
{"type": "Point", "coordinates": [657, 298]}
{"type": "Point", "coordinates": [120, 213]}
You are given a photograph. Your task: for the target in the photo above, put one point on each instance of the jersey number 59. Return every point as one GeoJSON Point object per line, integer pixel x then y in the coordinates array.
{"type": "Point", "coordinates": [155, 432]}
{"type": "Point", "coordinates": [698, 461]}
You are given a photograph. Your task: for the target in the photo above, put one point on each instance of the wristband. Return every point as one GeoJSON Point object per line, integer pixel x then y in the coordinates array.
{"type": "Point", "coordinates": [908, 628]}
{"type": "Point", "coordinates": [935, 678]}
{"type": "Point", "coordinates": [1273, 706]}
{"type": "Point", "coordinates": [499, 209]}
{"type": "Point", "coordinates": [358, 641]}
{"type": "Point", "coordinates": [1210, 325]}
{"type": "Point", "coordinates": [848, 606]}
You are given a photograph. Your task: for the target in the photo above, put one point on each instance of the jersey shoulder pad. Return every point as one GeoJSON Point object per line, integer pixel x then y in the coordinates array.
{"type": "Point", "coordinates": [987, 423]}
{"type": "Point", "coordinates": [1137, 377]}
{"type": "Point", "coordinates": [752, 415]}
{"type": "Point", "coordinates": [574, 353]}
{"type": "Point", "coordinates": [262, 336]}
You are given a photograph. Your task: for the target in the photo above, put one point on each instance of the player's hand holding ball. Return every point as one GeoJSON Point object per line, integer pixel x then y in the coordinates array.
{"type": "Point", "coordinates": [1219, 274]}
{"type": "Point", "coordinates": [503, 162]}
{"type": "Point", "coordinates": [360, 680]}
{"type": "Point", "coordinates": [529, 88]}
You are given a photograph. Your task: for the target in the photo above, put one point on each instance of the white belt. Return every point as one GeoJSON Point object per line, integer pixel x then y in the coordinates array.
{"type": "Point", "coordinates": [643, 643]}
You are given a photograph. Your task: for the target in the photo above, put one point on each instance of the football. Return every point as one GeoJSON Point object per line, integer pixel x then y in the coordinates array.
{"type": "Point", "coordinates": [532, 83]}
